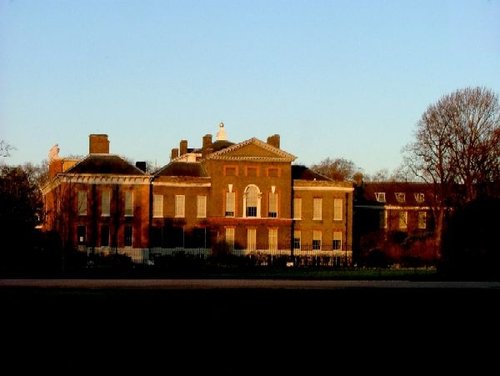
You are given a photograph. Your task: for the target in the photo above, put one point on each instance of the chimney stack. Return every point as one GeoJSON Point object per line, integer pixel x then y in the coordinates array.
{"type": "Point", "coordinates": [183, 146]}
{"type": "Point", "coordinates": [207, 145]}
{"type": "Point", "coordinates": [174, 154]}
{"type": "Point", "coordinates": [98, 144]}
{"type": "Point", "coordinates": [207, 141]}
{"type": "Point", "coordinates": [274, 140]}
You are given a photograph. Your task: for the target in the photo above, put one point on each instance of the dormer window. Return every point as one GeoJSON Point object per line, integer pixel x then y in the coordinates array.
{"type": "Point", "coordinates": [400, 197]}
{"type": "Point", "coordinates": [380, 196]}
{"type": "Point", "coordinates": [419, 197]}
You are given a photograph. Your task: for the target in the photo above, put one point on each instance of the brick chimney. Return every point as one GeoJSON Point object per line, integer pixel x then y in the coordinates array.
{"type": "Point", "coordinates": [183, 146]}
{"type": "Point", "coordinates": [274, 140]}
{"type": "Point", "coordinates": [207, 145]}
{"type": "Point", "coordinates": [174, 154]}
{"type": "Point", "coordinates": [98, 144]}
{"type": "Point", "coordinates": [207, 141]}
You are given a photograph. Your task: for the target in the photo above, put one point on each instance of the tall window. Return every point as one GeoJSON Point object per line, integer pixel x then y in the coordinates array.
{"type": "Point", "coordinates": [230, 237]}
{"type": "Point", "coordinates": [104, 236]}
{"type": "Point", "coordinates": [127, 236]}
{"type": "Point", "coordinates": [82, 203]}
{"type": "Point", "coordinates": [296, 240]}
{"type": "Point", "coordinates": [129, 203]}
{"type": "Point", "coordinates": [383, 218]}
{"type": "Point", "coordinates": [158, 206]}
{"type": "Point", "coordinates": [252, 201]}
{"type": "Point", "coordinates": [317, 208]}
{"type": "Point", "coordinates": [403, 220]}
{"type": "Point", "coordinates": [297, 208]}
{"type": "Point", "coordinates": [316, 245]}
{"type": "Point", "coordinates": [273, 239]}
{"type": "Point", "coordinates": [273, 205]}
{"type": "Point", "coordinates": [180, 206]}
{"type": "Point", "coordinates": [337, 209]}
{"type": "Point", "coordinates": [201, 206]}
{"type": "Point", "coordinates": [337, 241]}
{"type": "Point", "coordinates": [251, 239]}
{"type": "Point", "coordinates": [422, 220]}
{"type": "Point", "coordinates": [230, 201]}
{"type": "Point", "coordinates": [105, 202]}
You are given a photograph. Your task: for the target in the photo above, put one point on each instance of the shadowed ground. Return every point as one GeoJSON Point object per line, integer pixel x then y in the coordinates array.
{"type": "Point", "coordinates": [284, 327]}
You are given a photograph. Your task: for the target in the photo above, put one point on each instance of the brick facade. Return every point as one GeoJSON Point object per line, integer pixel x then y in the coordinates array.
{"type": "Point", "coordinates": [242, 194]}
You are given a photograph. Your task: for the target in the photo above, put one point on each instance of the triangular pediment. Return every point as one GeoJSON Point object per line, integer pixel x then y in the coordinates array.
{"type": "Point", "coordinates": [255, 150]}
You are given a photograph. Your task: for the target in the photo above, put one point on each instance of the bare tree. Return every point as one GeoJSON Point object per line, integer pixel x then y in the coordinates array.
{"type": "Point", "coordinates": [337, 169]}
{"type": "Point", "coordinates": [457, 143]}
{"type": "Point", "coordinates": [5, 149]}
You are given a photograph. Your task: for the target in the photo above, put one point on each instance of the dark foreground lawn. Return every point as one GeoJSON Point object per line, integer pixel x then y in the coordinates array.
{"type": "Point", "coordinates": [249, 331]}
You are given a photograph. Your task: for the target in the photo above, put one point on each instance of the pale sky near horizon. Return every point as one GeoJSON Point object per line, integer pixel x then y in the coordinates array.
{"type": "Point", "coordinates": [336, 79]}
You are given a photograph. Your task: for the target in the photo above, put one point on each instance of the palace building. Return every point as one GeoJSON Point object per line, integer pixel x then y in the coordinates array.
{"type": "Point", "coordinates": [248, 196]}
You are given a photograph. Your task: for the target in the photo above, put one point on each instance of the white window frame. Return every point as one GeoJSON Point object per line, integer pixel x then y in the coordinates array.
{"type": "Point", "coordinates": [419, 197]}
{"type": "Point", "coordinates": [337, 236]}
{"type": "Point", "coordinates": [129, 203]}
{"type": "Point", "coordinates": [400, 197]}
{"type": "Point", "coordinates": [317, 236]}
{"type": "Point", "coordinates": [180, 206]}
{"type": "Point", "coordinates": [157, 206]}
{"type": "Point", "coordinates": [230, 204]}
{"type": "Point", "coordinates": [82, 203]}
{"type": "Point", "coordinates": [273, 239]}
{"type": "Point", "coordinates": [251, 239]}
{"type": "Point", "coordinates": [403, 220]}
{"type": "Point", "coordinates": [384, 214]}
{"type": "Point", "coordinates": [201, 206]}
{"type": "Point", "coordinates": [106, 202]}
{"type": "Point", "coordinates": [273, 205]}
{"type": "Point", "coordinates": [338, 205]}
{"type": "Point", "coordinates": [297, 208]}
{"type": "Point", "coordinates": [230, 236]}
{"type": "Point", "coordinates": [422, 220]}
{"type": "Point", "coordinates": [317, 208]}
{"type": "Point", "coordinates": [252, 189]}
{"type": "Point", "coordinates": [297, 234]}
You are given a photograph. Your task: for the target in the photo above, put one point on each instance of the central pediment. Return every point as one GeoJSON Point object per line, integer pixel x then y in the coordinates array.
{"type": "Point", "coordinates": [252, 150]}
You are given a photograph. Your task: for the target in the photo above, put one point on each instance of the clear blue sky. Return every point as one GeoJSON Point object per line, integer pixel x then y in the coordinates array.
{"type": "Point", "coordinates": [338, 79]}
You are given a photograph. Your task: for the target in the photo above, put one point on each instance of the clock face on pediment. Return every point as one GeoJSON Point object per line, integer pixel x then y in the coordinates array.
{"type": "Point", "coordinates": [252, 149]}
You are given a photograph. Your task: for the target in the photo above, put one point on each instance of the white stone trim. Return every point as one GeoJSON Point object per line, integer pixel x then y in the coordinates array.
{"type": "Point", "coordinates": [181, 185]}
{"type": "Point", "coordinates": [336, 189]}
{"type": "Point", "coordinates": [393, 207]}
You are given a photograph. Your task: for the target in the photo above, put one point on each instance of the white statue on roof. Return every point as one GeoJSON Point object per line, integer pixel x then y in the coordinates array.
{"type": "Point", "coordinates": [54, 152]}
{"type": "Point", "coordinates": [221, 134]}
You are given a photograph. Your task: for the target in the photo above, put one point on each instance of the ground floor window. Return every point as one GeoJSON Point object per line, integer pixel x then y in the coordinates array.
{"type": "Point", "coordinates": [81, 233]}
{"type": "Point", "coordinates": [104, 236]}
{"type": "Point", "coordinates": [127, 241]}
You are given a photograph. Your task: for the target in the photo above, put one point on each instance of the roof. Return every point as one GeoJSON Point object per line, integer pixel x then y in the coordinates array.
{"type": "Point", "coordinates": [305, 173]}
{"type": "Point", "coordinates": [220, 144]}
{"type": "Point", "coordinates": [194, 169]}
{"type": "Point", "coordinates": [396, 194]}
{"type": "Point", "coordinates": [104, 164]}
{"type": "Point", "coordinates": [252, 149]}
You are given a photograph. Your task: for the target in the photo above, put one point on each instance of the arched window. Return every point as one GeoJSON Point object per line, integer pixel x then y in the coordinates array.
{"type": "Point", "coordinates": [251, 201]}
